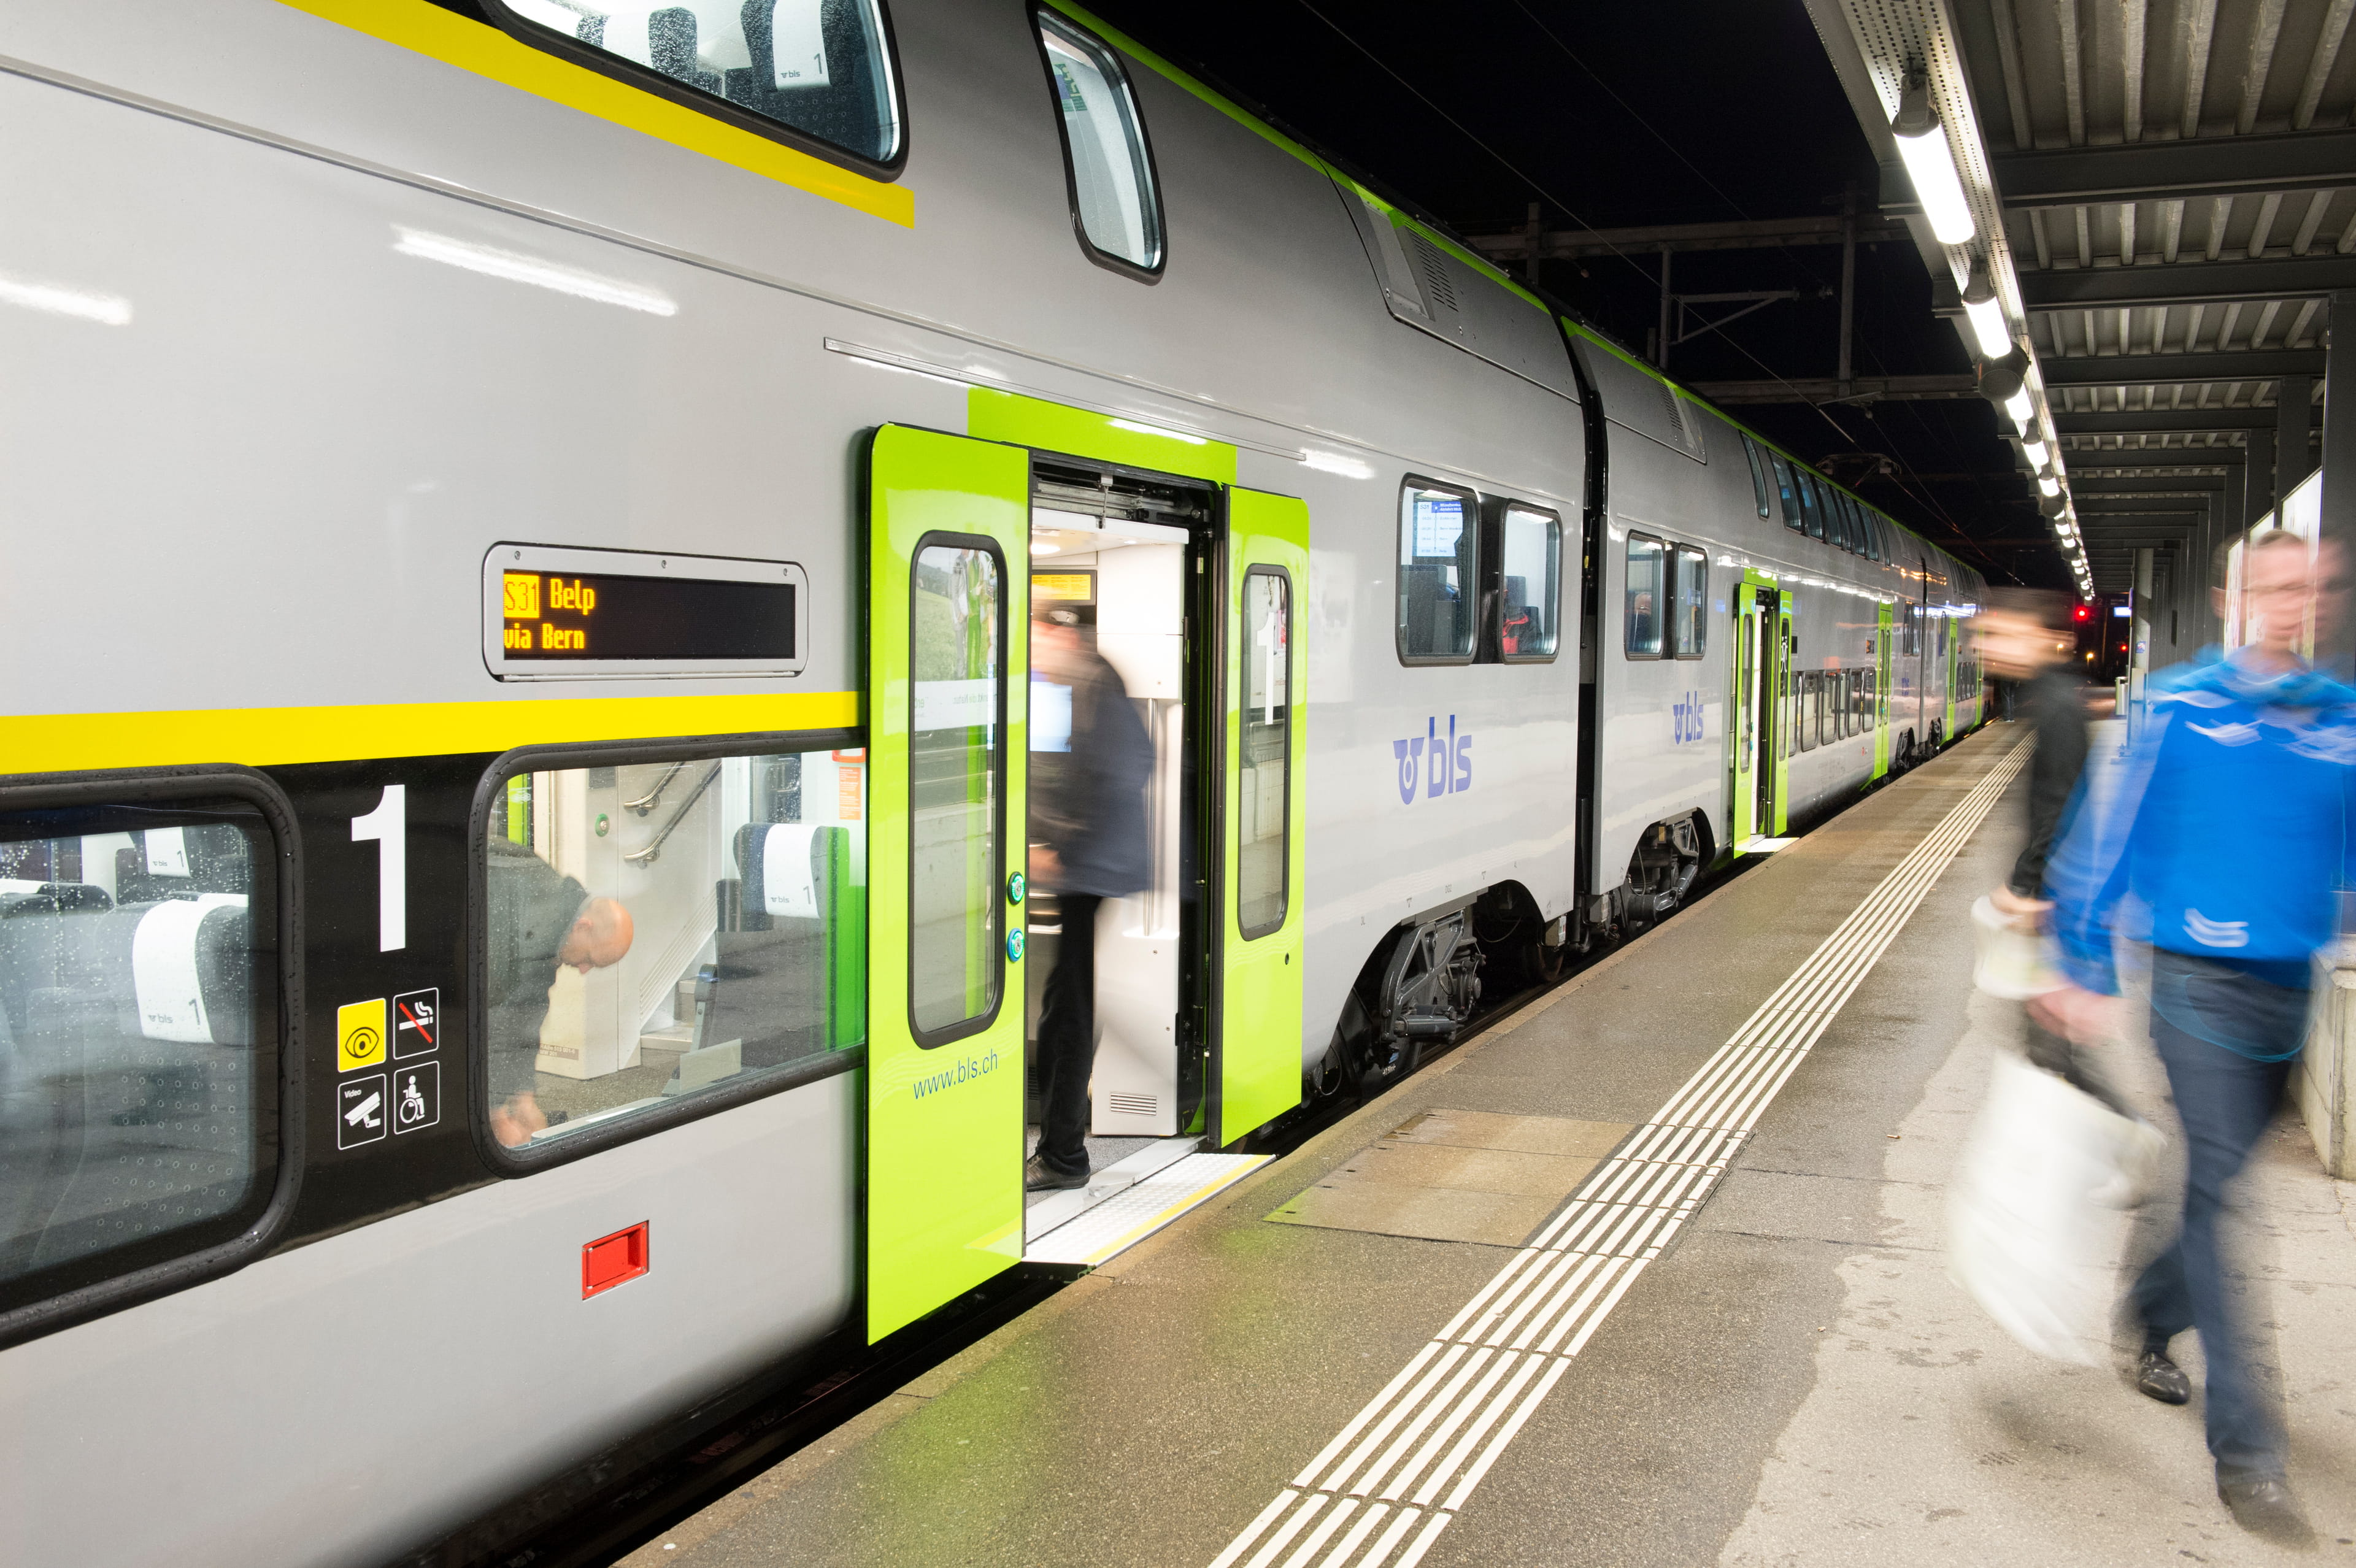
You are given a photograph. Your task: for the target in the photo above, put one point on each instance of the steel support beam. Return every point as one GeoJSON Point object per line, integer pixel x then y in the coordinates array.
{"type": "Point", "coordinates": [2160, 369]}
{"type": "Point", "coordinates": [2166, 421]}
{"type": "Point", "coordinates": [1754, 234]}
{"type": "Point", "coordinates": [2082, 484]}
{"type": "Point", "coordinates": [2175, 170]}
{"type": "Point", "coordinates": [2336, 647]}
{"type": "Point", "coordinates": [2294, 403]}
{"type": "Point", "coordinates": [1831, 390]}
{"type": "Point", "coordinates": [2186, 282]}
{"type": "Point", "coordinates": [2082, 459]}
{"type": "Point", "coordinates": [2258, 477]}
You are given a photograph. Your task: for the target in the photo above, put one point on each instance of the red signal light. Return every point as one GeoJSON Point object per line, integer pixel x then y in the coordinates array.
{"type": "Point", "coordinates": [2082, 614]}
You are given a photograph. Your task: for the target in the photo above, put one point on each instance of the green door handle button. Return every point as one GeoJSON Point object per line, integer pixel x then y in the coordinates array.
{"type": "Point", "coordinates": [1014, 888]}
{"type": "Point", "coordinates": [1014, 945]}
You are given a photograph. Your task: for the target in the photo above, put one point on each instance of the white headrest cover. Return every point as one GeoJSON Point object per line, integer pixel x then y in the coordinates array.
{"type": "Point", "coordinates": [787, 886]}
{"type": "Point", "coordinates": [164, 967]}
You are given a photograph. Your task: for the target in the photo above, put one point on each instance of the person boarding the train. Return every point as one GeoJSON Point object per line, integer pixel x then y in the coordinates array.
{"type": "Point", "coordinates": [1088, 844]}
{"type": "Point", "coordinates": [2229, 830]}
{"type": "Point", "coordinates": [540, 920]}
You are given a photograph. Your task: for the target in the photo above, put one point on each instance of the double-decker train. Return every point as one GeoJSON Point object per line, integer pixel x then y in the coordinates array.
{"type": "Point", "coordinates": [511, 919]}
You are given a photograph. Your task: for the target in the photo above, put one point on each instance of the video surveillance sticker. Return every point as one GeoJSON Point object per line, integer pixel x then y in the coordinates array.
{"type": "Point", "coordinates": [362, 1115]}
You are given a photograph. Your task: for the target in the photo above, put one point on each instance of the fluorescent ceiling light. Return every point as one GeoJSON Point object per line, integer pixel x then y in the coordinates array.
{"type": "Point", "coordinates": [517, 267]}
{"type": "Point", "coordinates": [2048, 484]}
{"type": "Point", "coordinates": [1335, 462]}
{"type": "Point", "coordinates": [1986, 314]}
{"type": "Point", "coordinates": [2035, 452]}
{"type": "Point", "coordinates": [1041, 549]}
{"type": "Point", "coordinates": [109, 310]}
{"type": "Point", "coordinates": [2021, 410]}
{"type": "Point", "coordinates": [1931, 163]}
{"type": "Point", "coordinates": [1156, 430]}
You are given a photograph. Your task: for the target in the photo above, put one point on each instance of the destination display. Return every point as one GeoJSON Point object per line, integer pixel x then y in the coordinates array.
{"type": "Point", "coordinates": [552, 611]}
{"type": "Point", "coordinates": [556, 616]}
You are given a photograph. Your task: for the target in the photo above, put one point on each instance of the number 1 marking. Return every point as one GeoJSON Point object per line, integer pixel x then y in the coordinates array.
{"type": "Point", "coordinates": [389, 826]}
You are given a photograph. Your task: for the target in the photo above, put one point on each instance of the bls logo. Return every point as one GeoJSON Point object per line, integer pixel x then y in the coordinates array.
{"type": "Point", "coordinates": [1438, 764]}
{"type": "Point", "coordinates": [1684, 719]}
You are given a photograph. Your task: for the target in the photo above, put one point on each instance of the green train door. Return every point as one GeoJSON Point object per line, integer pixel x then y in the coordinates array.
{"type": "Point", "coordinates": [1762, 709]}
{"type": "Point", "coordinates": [1263, 849]}
{"type": "Point", "coordinates": [1881, 666]}
{"type": "Point", "coordinates": [948, 695]}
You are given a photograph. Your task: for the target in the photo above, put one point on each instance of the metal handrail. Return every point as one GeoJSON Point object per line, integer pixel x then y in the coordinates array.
{"type": "Point", "coordinates": [645, 804]}
{"type": "Point", "coordinates": [648, 856]}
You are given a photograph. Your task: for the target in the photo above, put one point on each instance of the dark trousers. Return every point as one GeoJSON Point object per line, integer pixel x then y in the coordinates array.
{"type": "Point", "coordinates": [2225, 1101]}
{"type": "Point", "coordinates": [1067, 1038]}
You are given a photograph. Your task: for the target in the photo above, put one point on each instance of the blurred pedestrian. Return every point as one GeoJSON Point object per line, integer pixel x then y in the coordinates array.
{"type": "Point", "coordinates": [1088, 844]}
{"type": "Point", "coordinates": [2229, 829]}
{"type": "Point", "coordinates": [2025, 638]}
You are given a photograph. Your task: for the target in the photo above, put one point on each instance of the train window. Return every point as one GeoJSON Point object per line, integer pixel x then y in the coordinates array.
{"type": "Point", "coordinates": [1812, 504]}
{"type": "Point", "coordinates": [1107, 164]}
{"type": "Point", "coordinates": [1265, 747]}
{"type": "Point", "coordinates": [821, 69]}
{"type": "Point", "coordinates": [1689, 621]}
{"type": "Point", "coordinates": [956, 787]}
{"type": "Point", "coordinates": [656, 931]}
{"type": "Point", "coordinates": [1872, 533]}
{"type": "Point", "coordinates": [1788, 491]}
{"type": "Point", "coordinates": [1811, 709]}
{"type": "Point", "coordinates": [1758, 475]}
{"type": "Point", "coordinates": [1647, 573]}
{"type": "Point", "coordinates": [1530, 615]}
{"type": "Point", "coordinates": [1843, 521]}
{"type": "Point", "coordinates": [139, 1032]}
{"type": "Point", "coordinates": [1439, 564]}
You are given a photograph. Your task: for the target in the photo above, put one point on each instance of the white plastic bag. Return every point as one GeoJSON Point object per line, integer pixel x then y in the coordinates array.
{"type": "Point", "coordinates": [2012, 961]}
{"type": "Point", "coordinates": [2031, 1203]}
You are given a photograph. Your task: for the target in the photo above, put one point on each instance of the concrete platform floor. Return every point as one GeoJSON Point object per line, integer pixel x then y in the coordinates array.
{"type": "Point", "coordinates": [1793, 1383]}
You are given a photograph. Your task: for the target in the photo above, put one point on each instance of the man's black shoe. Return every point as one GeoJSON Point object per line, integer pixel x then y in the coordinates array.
{"type": "Point", "coordinates": [2158, 1377]}
{"type": "Point", "coordinates": [1038, 1176]}
{"type": "Point", "coordinates": [2264, 1505]}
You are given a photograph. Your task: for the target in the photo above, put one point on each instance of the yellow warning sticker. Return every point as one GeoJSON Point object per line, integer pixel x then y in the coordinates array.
{"type": "Point", "coordinates": [360, 1035]}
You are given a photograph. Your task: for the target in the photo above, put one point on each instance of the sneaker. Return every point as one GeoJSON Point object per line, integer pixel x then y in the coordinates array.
{"type": "Point", "coordinates": [1038, 1176]}
{"type": "Point", "coordinates": [2157, 1377]}
{"type": "Point", "coordinates": [2264, 1505]}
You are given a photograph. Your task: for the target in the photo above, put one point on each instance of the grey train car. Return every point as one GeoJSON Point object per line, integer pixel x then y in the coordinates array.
{"type": "Point", "coordinates": [517, 927]}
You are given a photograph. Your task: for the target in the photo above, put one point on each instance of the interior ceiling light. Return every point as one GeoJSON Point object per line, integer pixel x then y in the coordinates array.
{"type": "Point", "coordinates": [1930, 162]}
{"type": "Point", "coordinates": [2036, 454]}
{"type": "Point", "coordinates": [2048, 484]}
{"type": "Point", "coordinates": [2022, 410]}
{"type": "Point", "coordinates": [1986, 313]}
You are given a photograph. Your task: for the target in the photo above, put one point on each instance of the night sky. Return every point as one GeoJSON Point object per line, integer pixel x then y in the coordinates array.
{"type": "Point", "coordinates": [1674, 112]}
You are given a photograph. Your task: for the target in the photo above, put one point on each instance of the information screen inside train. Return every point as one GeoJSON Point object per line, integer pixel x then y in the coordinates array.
{"type": "Point", "coordinates": [559, 615]}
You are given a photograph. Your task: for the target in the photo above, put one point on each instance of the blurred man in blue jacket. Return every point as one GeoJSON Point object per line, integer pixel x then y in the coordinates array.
{"type": "Point", "coordinates": [2229, 830]}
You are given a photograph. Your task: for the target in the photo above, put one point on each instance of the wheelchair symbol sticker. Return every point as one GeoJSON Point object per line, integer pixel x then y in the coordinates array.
{"type": "Point", "coordinates": [416, 1097]}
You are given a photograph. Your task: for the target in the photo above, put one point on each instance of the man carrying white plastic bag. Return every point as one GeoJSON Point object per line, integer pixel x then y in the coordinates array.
{"type": "Point", "coordinates": [2055, 1151]}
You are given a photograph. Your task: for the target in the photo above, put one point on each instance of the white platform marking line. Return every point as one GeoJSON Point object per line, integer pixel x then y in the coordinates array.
{"type": "Point", "coordinates": [1542, 1288]}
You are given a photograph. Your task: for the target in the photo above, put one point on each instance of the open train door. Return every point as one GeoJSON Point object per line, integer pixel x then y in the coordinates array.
{"type": "Point", "coordinates": [1263, 848]}
{"type": "Point", "coordinates": [1762, 708]}
{"type": "Point", "coordinates": [947, 657]}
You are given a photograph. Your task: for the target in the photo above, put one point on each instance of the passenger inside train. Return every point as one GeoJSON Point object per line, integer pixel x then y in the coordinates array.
{"type": "Point", "coordinates": [664, 929]}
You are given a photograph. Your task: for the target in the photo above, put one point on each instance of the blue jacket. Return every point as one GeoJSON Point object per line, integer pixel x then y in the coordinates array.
{"type": "Point", "coordinates": [2229, 824]}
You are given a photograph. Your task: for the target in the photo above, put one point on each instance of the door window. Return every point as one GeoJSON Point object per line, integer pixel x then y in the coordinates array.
{"type": "Point", "coordinates": [1647, 613]}
{"type": "Point", "coordinates": [1264, 747]}
{"type": "Point", "coordinates": [1111, 174]}
{"type": "Point", "coordinates": [1530, 618]}
{"type": "Point", "coordinates": [820, 66]}
{"type": "Point", "coordinates": [138, 1037]}
{"type": "Point", "coordinates": [956, 788]}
